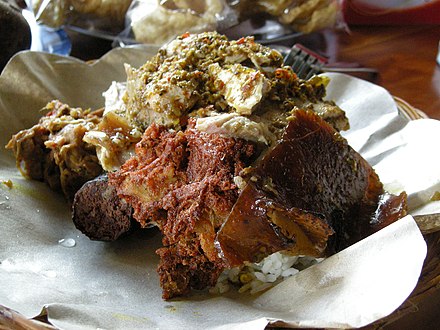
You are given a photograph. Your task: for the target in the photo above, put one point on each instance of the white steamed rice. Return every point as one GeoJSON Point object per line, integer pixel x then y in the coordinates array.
{"type": "Point", "coordinates": [254, 278]}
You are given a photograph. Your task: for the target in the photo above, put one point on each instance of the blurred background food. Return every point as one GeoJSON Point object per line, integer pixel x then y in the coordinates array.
{"type": "Point", "coordinates": [301, 15]}
{"type": "Point", "coordinates": [113, 9]}
{"type": "Point", "coordinates": [106, 15]}
{"type": "Point", "coordinates": [50, 13]}
{"type": "Point", "coordinates": [158, 21]}
{"type": "Point", "coordinates": [155, 22]}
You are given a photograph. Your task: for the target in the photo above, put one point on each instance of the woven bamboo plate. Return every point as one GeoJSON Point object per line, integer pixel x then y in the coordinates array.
{"type": "Point", "coordinates": [420, 308]}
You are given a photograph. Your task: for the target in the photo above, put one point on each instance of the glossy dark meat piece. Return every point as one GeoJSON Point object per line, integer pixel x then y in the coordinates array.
{"type": "Point", "coordinates": [312, 194]}
{"type": "Point", "coordinates": [99, 213]}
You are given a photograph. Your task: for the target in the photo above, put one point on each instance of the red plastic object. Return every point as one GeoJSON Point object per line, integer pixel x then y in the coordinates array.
{"type": "Point", "coordinates": [374, 12]}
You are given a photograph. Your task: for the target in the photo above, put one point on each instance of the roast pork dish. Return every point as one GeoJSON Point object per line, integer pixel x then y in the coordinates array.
{"type": "Point", "coordinates": [220, 146]}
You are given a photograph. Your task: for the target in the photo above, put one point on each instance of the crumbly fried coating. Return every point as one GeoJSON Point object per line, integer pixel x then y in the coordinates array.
{"type": "Point", "coordinates": [184, 182]}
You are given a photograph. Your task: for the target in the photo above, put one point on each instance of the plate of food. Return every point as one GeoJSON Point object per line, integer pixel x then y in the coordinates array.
{"type": "Point", "coordinates": [170, 187]}
{"type": "Point", "coordinates": [157, 22]}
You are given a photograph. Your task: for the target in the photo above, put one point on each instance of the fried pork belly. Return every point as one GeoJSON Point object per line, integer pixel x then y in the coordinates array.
{"type": "Point", "coordinates": [184, 182]}
{"type": "Point", "coordinates": [53, 150]}
{"type": "Point", "coordinates": [310, 195]}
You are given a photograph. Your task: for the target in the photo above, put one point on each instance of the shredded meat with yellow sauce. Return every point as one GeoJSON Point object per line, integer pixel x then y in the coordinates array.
{"type": "Point", "coordinates": [53, 150]}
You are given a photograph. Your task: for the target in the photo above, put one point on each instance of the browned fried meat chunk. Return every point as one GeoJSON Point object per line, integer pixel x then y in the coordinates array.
{"type": "Point", "coordinates": [53, 150]}
{"type": "Point", "coordinates": [312, 194]}
{"type": "Point", "coordinates": [184, 182]}
{"type": "Point", "coordinates": [99, 213]}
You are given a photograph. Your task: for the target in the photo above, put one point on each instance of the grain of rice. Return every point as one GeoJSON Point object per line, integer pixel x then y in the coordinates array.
{"type": "Point", "coordinates": [289, 272]}
{"type": "Point", "coordinates": [258, 277]}
{"type": "Point", "coordinates": [271, 278]}
{"type": "Point", "coordinates": [267, 266]}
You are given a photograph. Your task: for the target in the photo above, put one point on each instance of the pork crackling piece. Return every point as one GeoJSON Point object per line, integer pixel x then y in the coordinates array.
{"type": "Point", "coordinates": [312, 194]}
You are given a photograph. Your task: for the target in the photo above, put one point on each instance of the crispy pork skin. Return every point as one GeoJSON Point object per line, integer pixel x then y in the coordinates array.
{"type": "Point", "coordinates": [311, 194]}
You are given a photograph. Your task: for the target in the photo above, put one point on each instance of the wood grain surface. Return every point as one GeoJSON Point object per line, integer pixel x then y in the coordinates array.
{"type": "Point", "coordinates": [405, 58]}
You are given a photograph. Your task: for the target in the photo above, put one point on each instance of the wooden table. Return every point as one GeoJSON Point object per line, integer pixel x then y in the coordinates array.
{"type": "Point", "coordinates": [405, 57]}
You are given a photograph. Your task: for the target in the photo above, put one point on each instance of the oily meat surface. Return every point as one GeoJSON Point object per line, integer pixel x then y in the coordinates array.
{"type": "Point", "coordinates": [53, 150]}
{"type": "Point", "coordinates": [311, 195]}
{"type": "Point", "coordinates": [99, 213]}
{"type": "Point", "coordinates": [184, 182]}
